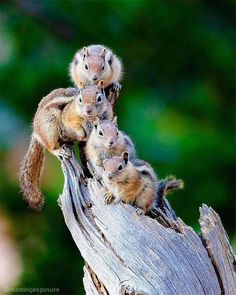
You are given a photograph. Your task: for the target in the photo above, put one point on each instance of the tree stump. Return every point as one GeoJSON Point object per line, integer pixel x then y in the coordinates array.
{"type": "Point", "coordinates": [127, 253]}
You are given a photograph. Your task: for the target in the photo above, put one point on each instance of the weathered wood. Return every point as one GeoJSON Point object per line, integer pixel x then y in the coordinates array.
{"type": "Point", "coordinates": [126, 253]}
{"type": "Point", "coordinates": [220, 252]}
{"type": "Point", "coordinates": [91, 284]}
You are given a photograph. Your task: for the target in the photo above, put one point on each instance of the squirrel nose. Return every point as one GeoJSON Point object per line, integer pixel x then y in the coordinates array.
{"type": "Point", "coordinates": [109, 177]}
{"type": "Point", "coordinates": [95, 77]}
{"type": "Point", "coordinates": [111, 142]}
{"type": "Point", "coordinates": [89, 111]}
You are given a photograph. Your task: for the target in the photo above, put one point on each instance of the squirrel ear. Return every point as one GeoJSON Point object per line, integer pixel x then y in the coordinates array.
{"type": "Point", "coordinates": [100, 84]}
{"type": "Point", "coordinates": [103, 52]}
{"type": "Point", "coordinates": [96, 122]}
{"type": "Point", "coordinates": [115, 120]}
{"type": "Point", "coordinates": [125, 157]}
{"type": "Point", "coordinates": [110, 61]}
{"type": "Point", "coordinates": [85, 49]}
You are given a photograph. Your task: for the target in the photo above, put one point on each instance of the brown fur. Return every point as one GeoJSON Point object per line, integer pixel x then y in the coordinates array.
{"type": "Point", "coordinates": [59, 114]}
{"type": "Point", "coordinates": [59, 118]}
{"type": "Point", "coordinates": [30, 173]}
{"type": "Point", "coordinates": [66, 95]}
{"type": "Point", "coordinates": [130, 185]}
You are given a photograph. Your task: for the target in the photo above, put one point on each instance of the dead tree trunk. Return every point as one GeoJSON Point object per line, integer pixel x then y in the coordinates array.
{"type": "Point", "coordinates": [126, 253]}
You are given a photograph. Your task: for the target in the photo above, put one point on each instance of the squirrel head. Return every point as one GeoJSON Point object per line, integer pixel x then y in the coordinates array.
{"type": "Point", "coordinates": [91, 101]}
{"type": "Point", "coordinates": [92, 65]}
{"type": "Point", "coordinates": [115, 168]}
{"type": "Point", "coordinates": [106, 132]}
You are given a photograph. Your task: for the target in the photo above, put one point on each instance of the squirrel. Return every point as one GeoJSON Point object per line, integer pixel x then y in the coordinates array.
{"type": "Point", "coordinates": [64, 115]}
{"type": "Point", "coordinates": [94, 63]}
{"type": "Point", "coordinates": [133, 182]}
{"type": "Point", "coordinates": [106, 141]}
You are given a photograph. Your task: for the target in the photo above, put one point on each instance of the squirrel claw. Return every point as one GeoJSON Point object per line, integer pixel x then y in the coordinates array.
{"type": "Point", "coordinates": [130, 291]}
{"type": "Point", "coordinates": [64, 156]}
{"type": "Point", "coordinates": [96, 176]}
{"type": "Point", "coordinates": [140, 211]}
{"type": "Point", "coordinates": [114, 92]}
{"type": "Point", "coordinates": [99, 163]}
{"type": "Point", "coordinates": [116, 87]}
{"type": "Point", "coordinates": [63, 153]}
{"type": "Point", "coordinates": [90, 168]}
{"type": "Point", "coordinates": [108, 197]}
{"type": "Point", "coordinates": [117, 201]}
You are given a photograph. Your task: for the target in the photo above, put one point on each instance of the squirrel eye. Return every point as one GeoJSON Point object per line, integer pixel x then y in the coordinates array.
{"type": "Point", "coordinates": [103, 67]}
{"type": "Point", "coordinates": [86, 67]}
{"type": "Point", "coordinates": [120, 168]}
{"type": "Point", "coordinates": [117, 133]}
{"type": "Point", "coordinates": [80, 100]}
{"type": "Point", "coordinates": [100, 133]}
{"type": "Point", "coordinates": [99, 99]}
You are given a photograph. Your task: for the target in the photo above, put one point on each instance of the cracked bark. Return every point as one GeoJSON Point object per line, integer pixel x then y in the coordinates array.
{"type": "Point", "coordinates": [130, 254]}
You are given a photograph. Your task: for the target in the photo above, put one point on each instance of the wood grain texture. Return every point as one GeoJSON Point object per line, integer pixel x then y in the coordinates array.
{"type": "Point", "coordinates": [91, 285]}
{"type": "Point", "coordinates": [220, 252]}
{"type": "Point", "coordinates": [126, 253]}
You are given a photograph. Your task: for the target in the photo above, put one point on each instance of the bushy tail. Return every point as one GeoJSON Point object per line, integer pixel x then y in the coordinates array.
{"type": "Point", "coordinates": [30, 172]}
{"type": "Point", "coordinates": [167, 186]}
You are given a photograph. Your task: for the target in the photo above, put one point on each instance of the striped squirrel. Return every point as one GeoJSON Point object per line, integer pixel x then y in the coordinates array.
{"type": "Point", "coordinates": [94, 63]}
{"type": "Point", "coordinates": [106, 141]}
{"type": "Point", "coordinates": [133, 182]}
{"type": "Point", "coordinates": [63, 115]}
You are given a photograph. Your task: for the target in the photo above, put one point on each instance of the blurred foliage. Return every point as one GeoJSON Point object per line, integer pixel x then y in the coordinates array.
{"type": "Point", "coordinates": [177, 103]}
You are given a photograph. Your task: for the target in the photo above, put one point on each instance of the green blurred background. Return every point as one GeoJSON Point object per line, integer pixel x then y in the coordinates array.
{"type": "Point", "coordinates": [177, 103]}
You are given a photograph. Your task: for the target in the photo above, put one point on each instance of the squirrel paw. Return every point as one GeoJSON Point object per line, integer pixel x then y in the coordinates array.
{"type": "Point", "coordinates": [97, 176]}
{"type": "Point", "coordinates": [108, 197]}
{"type": "Point", "coordinates": [114, 92]}
{"type": "Point", "coordinates": [99, 163]}
{"type": "Point", "coordinates": [116, 201]}
{"type": "Point", "coordinates": [63, 156]}
{"type": "Point", "coordinates": [140, 211]}
{"type": "Point", "coordinates": [90, 168]}
{"type": "Point", "coordinates": [115, 87]}
{"type": "Point", "coordinates": [63, 153]}
{"type": "Point", "coordinates": [126, 290]}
